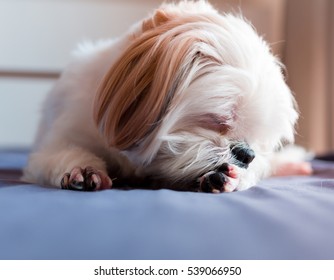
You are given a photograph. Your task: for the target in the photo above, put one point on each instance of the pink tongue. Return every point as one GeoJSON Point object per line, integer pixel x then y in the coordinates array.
{"type": "Point", "coordinates": [293, 168]}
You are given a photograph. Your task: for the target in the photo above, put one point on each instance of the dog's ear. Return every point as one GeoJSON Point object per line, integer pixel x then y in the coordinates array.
{"type": "Point", "coordinates": [140, 87]}
{"type": "Point", "coordinates": [160, 17]}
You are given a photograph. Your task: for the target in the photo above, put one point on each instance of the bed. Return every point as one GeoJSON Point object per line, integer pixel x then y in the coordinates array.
{"type": "Point", "coordinates": [280, 218]}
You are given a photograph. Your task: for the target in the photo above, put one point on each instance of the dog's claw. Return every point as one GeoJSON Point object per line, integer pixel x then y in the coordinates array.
{"type": "Point", "coordinates": [88, 179]}
{"type": "Point", "coordinates": [65, 180]}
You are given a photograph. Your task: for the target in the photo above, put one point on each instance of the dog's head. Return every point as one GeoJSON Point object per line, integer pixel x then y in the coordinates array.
{"type": "Point", "coordinates": [196, 97]}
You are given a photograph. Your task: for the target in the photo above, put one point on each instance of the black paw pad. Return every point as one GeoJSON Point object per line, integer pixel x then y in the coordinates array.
{"type": "Point", "coordinates": [213, 182]}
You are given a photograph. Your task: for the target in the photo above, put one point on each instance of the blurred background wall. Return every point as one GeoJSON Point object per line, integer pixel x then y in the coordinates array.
{"type": "Point", "coordinates": [37, 37]}
{"type": "Point", "coordinates": [308, 55]}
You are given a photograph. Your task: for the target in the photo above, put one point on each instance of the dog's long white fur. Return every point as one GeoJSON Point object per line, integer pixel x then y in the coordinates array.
{"type": "Point", "coordinates": [226, 87]}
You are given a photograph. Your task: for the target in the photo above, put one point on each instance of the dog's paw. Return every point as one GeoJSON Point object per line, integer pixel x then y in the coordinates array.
{"type": "Point", "coordinates": [87, 179]}
{"type": "Point", "coordinates": [224, 179]}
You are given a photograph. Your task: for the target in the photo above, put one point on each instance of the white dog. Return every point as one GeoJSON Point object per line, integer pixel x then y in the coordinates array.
{"type": "Point", "coordinates": [188, 99]}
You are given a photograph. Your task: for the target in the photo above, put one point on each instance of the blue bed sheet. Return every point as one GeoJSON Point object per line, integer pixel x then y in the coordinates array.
{"type": "Point", "coordinates": [280, 218]}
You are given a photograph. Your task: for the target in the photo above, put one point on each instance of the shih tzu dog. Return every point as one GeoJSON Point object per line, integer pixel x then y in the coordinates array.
{"type": "Point", "coordinates": [188, 99]}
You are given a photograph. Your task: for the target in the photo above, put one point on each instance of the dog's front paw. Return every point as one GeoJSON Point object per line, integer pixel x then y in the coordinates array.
{"type": "Point", "coordinates": [224, 179]}
{"type": "Point", "coordinates": [87, 179]}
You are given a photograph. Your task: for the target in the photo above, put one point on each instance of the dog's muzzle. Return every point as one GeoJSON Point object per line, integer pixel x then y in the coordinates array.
{"type": "Point", "coordinates": [243, 154]}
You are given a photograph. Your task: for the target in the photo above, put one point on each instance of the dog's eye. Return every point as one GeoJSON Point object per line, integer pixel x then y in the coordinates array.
{"type": "Point", "coordinates": [214, 122]}
{"type": "Point", "coordinates": [283, 143]}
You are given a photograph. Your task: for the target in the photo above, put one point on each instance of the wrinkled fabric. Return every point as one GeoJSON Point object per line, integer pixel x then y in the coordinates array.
{"type": "Point", "coordinates": [280, 218]}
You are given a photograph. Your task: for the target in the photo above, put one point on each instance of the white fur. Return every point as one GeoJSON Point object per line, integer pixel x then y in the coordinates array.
{"type": "Point", "coordinates": [246, 88]}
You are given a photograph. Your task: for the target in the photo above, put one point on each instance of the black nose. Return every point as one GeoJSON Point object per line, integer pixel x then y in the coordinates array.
{"type": "Point", "coordinates": [243, 154]}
